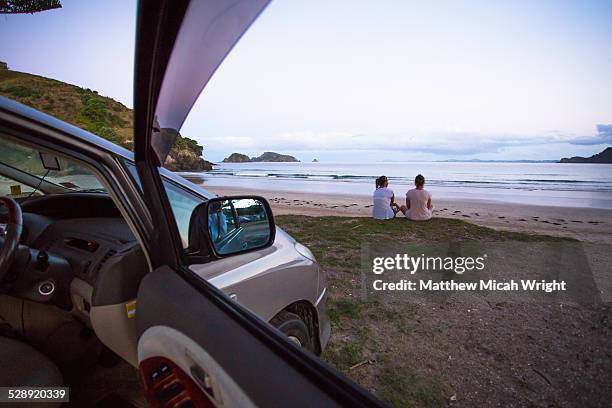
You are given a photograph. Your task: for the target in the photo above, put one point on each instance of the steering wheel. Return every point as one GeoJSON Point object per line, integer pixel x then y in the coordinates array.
{"type": "Point", "coordinates": [12, 235]}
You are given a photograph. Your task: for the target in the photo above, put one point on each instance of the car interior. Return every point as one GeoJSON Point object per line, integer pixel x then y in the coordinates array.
{"type": "Point", "coordinates": [63, 299]}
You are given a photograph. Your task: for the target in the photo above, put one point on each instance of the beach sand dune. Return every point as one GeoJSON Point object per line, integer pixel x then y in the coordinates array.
{"type": "Point", "coordinates": [585, 224]}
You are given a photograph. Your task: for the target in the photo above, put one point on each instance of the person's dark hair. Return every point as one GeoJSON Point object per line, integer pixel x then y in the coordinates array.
{"type": "Point", "coordinates": [380, 182]}
{"type": "Point", "coordinates": [419, 180]}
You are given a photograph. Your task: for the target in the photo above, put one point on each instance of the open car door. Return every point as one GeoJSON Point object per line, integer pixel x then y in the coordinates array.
{"type": "Point", "coordinates": [196, 346]}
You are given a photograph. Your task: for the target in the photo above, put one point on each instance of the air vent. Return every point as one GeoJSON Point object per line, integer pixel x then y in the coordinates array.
{"type": "Point", "coordinates": [106, 257]}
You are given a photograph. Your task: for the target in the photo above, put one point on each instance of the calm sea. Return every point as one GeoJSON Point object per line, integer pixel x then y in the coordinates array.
{"type": "Point", "coordinates": [573, 185]}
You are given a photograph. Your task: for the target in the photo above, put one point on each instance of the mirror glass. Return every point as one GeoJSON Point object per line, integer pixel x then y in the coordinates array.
{"type": "Point", "coordinates": [237, 225]}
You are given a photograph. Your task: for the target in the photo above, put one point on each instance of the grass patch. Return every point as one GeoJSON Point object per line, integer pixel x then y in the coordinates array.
{"type": "Point", "coordinates": [20, 91]}
{"type": "Point", "coordinates": [340, 233]}
{"type": "Point", "coordinates": [404, 388]}
{"type": "Point", "coordinates": [373, 331]}
{"type": "Point", "coordinates": [343, 309]}
{"type": "Point", "coordinates": [345, 356]}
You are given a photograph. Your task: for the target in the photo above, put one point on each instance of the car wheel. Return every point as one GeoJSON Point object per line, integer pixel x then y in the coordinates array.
{"type": "Point", "coordinates": [292, 326]}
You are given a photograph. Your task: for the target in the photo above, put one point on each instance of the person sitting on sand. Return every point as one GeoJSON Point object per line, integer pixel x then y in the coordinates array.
{"type": "Point", "coordinates": [418, 201]}
{"type": "Point", "coordinates": [384, 207]}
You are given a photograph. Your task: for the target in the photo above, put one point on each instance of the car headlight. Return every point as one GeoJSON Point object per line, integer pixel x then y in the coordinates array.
{"type": "Point", "coordinates": [304, 251]}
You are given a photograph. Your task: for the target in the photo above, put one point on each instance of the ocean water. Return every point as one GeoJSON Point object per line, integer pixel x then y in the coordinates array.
{"type": "Point", "coordinates": [554, 184]}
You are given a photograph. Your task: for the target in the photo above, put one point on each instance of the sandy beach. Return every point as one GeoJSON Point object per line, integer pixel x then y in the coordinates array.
{"type": "Point", "coordinates": [585, 224]}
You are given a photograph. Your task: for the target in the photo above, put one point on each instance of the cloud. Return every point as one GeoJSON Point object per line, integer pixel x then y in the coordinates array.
{"type": "Point", "coordinates": [440, 142]}
{"type": "Point", "coordinates": [603, 136]}
{"type": "Point", "coordinates": [450, 143]}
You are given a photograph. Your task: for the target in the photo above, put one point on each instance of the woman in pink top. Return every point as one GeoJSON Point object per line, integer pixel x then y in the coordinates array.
{"type": "Point", "coordinates": [418, 201]}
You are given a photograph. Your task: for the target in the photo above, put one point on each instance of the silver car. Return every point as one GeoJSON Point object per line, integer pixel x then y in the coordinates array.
{"type": "Point", "coordinates": [71, 218]}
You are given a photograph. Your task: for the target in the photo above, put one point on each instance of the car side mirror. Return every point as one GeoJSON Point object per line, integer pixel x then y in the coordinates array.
{"type": "Point", "coordinates": [231, 225]}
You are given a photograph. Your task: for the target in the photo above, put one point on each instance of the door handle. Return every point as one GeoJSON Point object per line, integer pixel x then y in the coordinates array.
{"type": "Point", "coordinates": [202, 379]}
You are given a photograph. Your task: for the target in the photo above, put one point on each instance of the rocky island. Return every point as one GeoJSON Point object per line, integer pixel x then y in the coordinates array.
{"type": "Point", "coordinates": [603, 157]}
{"type": "Point", "coordinates": [266, 157]}
{"type": "Point", "coordinates": [237, 158]}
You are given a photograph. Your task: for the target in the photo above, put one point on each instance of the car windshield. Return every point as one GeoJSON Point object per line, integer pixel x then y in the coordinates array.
{"type": "Point", "coordinates": [22, 170]}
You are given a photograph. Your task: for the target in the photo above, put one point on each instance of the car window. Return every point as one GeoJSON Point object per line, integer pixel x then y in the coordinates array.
{"type": "Point", "coordinates": [15, 189]}
{"type": "Point", "coordinates": [182, 202]}
{"type": "Point", "coordinates": [70, 175]}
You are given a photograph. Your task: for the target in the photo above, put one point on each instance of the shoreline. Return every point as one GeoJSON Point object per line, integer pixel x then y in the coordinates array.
{"type": "Point", "coordinates": [544, 184]}
{"type": "Point", "coordinates": [584, 224]}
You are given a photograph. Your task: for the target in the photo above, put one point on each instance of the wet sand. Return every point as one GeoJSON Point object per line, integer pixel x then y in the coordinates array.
{"type": "Point", "coordinates": [585, 224]}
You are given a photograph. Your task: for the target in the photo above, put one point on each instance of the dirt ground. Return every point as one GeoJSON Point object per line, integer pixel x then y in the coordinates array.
{"type": "Point", "coordinates": [467, 353]}
{"type": "Point", "coordinates": [465, 349]}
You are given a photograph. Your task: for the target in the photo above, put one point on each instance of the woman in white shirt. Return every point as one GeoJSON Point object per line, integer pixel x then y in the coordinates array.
{"type": "Point", "coordinates": [384, 207]}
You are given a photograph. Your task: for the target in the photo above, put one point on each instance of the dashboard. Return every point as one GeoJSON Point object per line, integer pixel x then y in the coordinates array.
{"type": "Point", "coordinates": [86, 243]}
{"type": "Point", "coordinates": [78, 237]}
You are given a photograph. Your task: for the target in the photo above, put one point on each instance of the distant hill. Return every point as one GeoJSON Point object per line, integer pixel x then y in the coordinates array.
{"type": "Point", "coordinates": [95, 113]}
{"type": "Point", "coordinates": [603, 157]}
{"type": "Point", "coordinates": [266, 157]}
{"type": "Point", "coordinates": [494, 161]}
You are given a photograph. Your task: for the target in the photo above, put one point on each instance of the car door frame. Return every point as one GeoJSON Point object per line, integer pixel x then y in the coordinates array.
{"type": "Point", "coordinates": [174, 298]}
{"type": "Point", "coordinates": [237, 340]}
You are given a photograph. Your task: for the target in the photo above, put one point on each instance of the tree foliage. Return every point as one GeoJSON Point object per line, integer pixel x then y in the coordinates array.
{"type": "Point", "coordinates": [27, 6]}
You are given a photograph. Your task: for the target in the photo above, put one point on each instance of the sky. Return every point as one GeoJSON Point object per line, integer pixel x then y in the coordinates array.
{"type": "Point", "coordinates": [366, 81]}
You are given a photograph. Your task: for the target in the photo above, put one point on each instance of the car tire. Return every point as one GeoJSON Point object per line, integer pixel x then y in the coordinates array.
{"type": "Point", "coordinates": [292, 326]}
